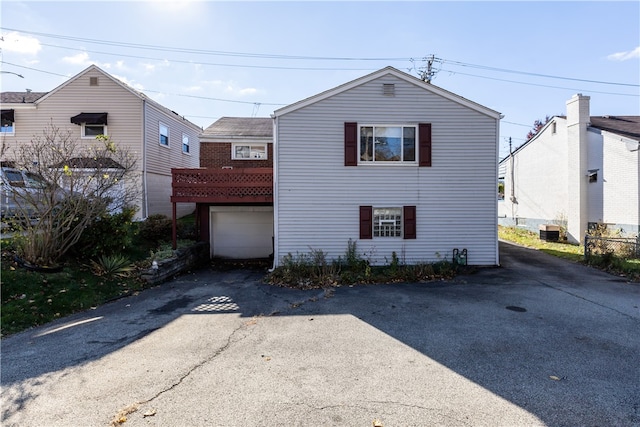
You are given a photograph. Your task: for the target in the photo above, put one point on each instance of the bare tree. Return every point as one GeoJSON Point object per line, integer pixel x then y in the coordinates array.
{"type": "Point", "coordinates": [72, 184]}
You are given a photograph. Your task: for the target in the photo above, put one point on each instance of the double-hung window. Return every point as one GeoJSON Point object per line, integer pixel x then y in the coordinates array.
{"type": "Point", "coordinates": [185, 143]}
{"type": "Point", "coordinates": [387, 144]}
{"type": "Point", "coordinates": [249, 151]}
{"type": "Point", "coordinates": [164, 134]}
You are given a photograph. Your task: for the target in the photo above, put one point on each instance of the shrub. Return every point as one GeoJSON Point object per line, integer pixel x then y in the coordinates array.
{"type": "Point", "coordinates": [108, 234]}
{"type": "Point", "coordinates": [313, 270]}
{"type": "Point", "coordinates": [155, 229]}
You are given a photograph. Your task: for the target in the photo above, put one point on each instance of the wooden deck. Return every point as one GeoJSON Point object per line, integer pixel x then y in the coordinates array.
{"type": "Point", "coordinates": [238, 186]}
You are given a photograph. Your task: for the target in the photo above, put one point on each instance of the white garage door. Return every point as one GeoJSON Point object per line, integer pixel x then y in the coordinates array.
{"type": "Point", "coordinates": [241, 234]}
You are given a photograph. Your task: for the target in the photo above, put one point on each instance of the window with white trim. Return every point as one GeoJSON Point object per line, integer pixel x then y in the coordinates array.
{"type": "Point", "coordinates": [7, 123]}
{"type": "Point", "coordinates": [92, 130]}
{"type": "Point", "coordinates": [164, 134]}
{"type": "Point", "coordinates": [387, 143]}
{"type": "Point", "coordinates": [185, 143]}
{"type": "Point", "coordinates": [387, 222]}
{"type": "Point", "coordinates": [249, 152]}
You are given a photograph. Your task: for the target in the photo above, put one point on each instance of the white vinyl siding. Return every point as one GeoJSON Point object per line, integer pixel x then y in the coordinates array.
{"type": "Point", "coordinates": [455, 199]}
{"type": "Point", "coordinates": [545, 178]}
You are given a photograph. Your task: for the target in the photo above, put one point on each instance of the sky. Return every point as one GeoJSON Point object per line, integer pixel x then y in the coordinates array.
{"type": "Point", "coordinates": [209, 59]}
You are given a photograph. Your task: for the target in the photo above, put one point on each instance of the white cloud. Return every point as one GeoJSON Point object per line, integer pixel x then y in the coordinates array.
{"type": "Point", "coordinates": [152, 67]}
{"type": "Point", "coordinates": [81, 58]}
{"type": "Point", "coordinates": [131, 83]}
{"type": "Point", "coordinates": [624, 56]}
{"type": "Point", "coordinates": [15, 42]}
{"type": "Point", "coordinates": [248, 91]}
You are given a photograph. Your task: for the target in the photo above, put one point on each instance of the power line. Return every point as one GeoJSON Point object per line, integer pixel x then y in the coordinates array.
{"type": "Point", "coordinates": [161, 92]}
{"type": "Point", "coordinates": [201, 51]}
{"type": "Point", "coordinates": [181, 61]}
{"type": "Point", "coordinates": [527, 73]}
{"type": "Point", "coordinates": [512, 123]}
{"type": "Point", "coordinates": [429, 71]}
{"type": "Point", "coordinates": [541, 85]}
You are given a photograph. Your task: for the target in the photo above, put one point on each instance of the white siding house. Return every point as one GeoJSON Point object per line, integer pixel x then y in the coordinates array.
{"type": "Point", "coordinates": [94, 101]}
{"type": "Point", "coordinates": [392, 163]}
{"type": "Point", "coordinates": [578, 171]}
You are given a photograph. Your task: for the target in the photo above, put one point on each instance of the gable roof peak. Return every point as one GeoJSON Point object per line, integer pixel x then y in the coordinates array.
{"type": "Point", "coordinates": [380, 73]}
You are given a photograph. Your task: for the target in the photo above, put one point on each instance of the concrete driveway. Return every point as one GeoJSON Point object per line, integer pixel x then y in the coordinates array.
{"type": "Point", "coordinates": [538, 341]}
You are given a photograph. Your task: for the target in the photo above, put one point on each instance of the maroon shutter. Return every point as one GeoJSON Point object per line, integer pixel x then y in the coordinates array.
{"type": "Point", "coordinates": [350, 144]}
{"type": "Point", "coordinates": [366, 222]}
{"type": "Point", "coordinates": [409, 217]}
{"type": "Point", "coordinates": [424, 135]}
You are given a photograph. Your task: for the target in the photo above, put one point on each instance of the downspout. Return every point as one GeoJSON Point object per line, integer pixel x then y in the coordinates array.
{"type": "Point", "coordinates": [145, 198]}
{"type": "Point", "coordinates": [275, 192]}
{"type": "Point", "coordinates": [497, 156]}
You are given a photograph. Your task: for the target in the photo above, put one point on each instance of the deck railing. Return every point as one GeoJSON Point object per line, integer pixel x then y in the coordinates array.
{"type": "Point", "coordinates": [204, 185]}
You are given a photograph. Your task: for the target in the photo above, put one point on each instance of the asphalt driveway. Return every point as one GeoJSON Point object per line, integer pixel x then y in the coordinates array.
{"type": "Point", "coordinates": [538, 341]}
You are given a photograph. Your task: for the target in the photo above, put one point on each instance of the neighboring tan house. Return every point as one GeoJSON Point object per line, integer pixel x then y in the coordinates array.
{"type": "Point", "coordinates": [392, 163]}
{"type": "Point", "coordinates": [578, 171]}
{"type": "Point", "coordinates": [94, 102]}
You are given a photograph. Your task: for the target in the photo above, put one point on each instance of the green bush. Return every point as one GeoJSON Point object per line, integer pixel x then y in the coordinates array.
{"type": "Point", "coordinates": [107, 235]}
{"type": "Point", "coordinates": [156, 229]}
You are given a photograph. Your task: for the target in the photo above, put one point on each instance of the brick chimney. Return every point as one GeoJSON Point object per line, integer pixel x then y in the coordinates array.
{"type": "Point", "coordinates": [577, 122]}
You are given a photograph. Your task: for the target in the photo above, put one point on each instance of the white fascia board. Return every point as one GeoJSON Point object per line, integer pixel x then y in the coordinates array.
{"type": "Point", "coordinates": [18, 106]}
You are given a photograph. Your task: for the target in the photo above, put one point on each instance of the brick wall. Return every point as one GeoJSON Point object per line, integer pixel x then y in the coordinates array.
{"type": "Point", "coordinates": [218, 155]}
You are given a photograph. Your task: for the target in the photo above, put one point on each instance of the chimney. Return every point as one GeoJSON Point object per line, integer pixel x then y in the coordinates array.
{"type": "Point", "coordinates": [577, 123]}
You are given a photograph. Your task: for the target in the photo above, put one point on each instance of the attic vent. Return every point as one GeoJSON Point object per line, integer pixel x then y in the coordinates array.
{"type": "Point", "coordinates": [93, 81]}
{"type": "Point", "coordinates": [388, 89]}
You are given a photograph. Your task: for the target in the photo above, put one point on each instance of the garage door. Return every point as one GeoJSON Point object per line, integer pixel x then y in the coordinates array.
{"type": "Point", "coordinates": [242, 234]}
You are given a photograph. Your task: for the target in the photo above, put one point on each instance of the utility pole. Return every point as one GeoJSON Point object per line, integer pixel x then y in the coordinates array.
{"type": "Point", "coordinates": [427, 74]}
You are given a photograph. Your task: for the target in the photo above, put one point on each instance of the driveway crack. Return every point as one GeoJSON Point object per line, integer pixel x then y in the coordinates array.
{"type": "Point", "coordinates": [118, 419]}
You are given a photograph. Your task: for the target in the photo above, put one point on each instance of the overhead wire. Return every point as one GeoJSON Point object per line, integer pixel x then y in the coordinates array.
{"type": "Point", "coordinates": [290, 57]}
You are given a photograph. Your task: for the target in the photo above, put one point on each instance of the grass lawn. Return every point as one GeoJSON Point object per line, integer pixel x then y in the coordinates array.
{"type": "Point", "coordinates": [32, 298]}
{"type": "Point", "coordinates": [629, 268]}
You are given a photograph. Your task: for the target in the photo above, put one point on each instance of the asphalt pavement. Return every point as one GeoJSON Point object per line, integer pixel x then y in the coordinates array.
{"type": "Point", "coordinates": [537, 341]}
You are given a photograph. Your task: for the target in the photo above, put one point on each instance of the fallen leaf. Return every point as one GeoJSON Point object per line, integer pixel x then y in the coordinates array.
{"type": "Point", "coordinates": [149, 413]}
{"type": "Point", "coordinates": [377, 423]}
